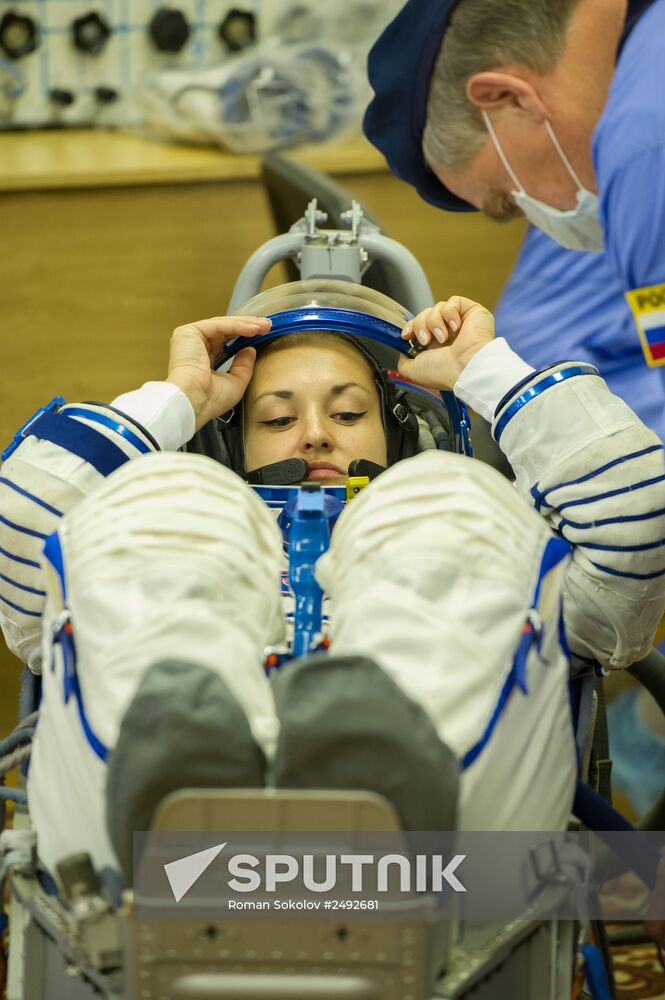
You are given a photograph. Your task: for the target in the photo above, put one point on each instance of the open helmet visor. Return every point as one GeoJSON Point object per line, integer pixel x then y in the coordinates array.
{"type": "Point", "coordinates": [374, 323]}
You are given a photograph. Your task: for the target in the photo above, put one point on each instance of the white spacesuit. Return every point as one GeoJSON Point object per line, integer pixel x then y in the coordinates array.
{"type": "Point", "coordinates": [441, 572]}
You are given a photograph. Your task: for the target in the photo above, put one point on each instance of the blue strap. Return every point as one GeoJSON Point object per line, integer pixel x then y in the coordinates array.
{"type": "Point", "coordinates": [555, 550]}
{"type": "Point", "coordinates": [79, 439]}
{"type": "Point", "coordinates": [595, 972]}
{"type": "Point", "coordinates": [599, 816]}
{"type": "Point", "coordinates": [535, 390]}
{"type": "Point", "coordinates": [114, 425]}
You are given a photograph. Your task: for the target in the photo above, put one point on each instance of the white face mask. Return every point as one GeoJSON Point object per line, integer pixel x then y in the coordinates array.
{"type": "Point", "coordinates": [576, 229]}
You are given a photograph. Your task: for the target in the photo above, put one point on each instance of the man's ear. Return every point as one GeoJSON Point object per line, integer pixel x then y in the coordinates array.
{"type": "Point", "coordinates": [492, 90]}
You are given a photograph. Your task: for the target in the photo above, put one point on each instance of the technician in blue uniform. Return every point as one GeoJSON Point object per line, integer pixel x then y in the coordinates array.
{"type": "Point", "coordinates": [557, 112]}
{"type": "Point", "coordinates": [560, 301]}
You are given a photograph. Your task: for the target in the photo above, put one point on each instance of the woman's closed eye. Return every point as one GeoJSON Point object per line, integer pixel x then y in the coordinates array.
{"type": "Point", "coordinates": [279, 422]}
{"type": "Point", "coordinates": [349, 416]}
{"type": "Point", "coordinates": [342, 417]}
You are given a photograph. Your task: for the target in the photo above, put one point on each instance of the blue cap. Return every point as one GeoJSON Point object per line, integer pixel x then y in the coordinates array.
{"type": "Point", "coordinates": [400, 67]}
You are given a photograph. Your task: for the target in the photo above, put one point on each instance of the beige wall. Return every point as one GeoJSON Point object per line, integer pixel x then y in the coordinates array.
{"type": "Point", "coordinates": [93, 281]}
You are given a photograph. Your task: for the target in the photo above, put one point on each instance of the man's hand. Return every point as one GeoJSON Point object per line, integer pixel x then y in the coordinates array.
{"type": "Point", "coordinates": [452, 333]}
{"type": "Point", "coordinates": [193, 350]}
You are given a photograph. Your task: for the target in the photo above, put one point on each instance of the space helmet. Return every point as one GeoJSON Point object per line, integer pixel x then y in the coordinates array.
{"type": "Point", "coordinates": [415, 418]}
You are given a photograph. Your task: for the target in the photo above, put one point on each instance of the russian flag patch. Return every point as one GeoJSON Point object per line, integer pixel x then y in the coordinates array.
{"type": "Point", "coordinates": [648, 308]}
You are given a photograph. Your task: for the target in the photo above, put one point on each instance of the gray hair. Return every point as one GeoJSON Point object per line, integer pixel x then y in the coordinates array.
{"type": "Point", "coordinates": [482, 35]}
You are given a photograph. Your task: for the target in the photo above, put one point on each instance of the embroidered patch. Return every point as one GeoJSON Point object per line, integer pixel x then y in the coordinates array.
{"type": "Point", "coordinates": [648, 308]}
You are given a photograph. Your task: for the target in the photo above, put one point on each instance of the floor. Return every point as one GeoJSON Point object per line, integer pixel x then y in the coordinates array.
{"type": "Point", "coordinates": [638, 973]}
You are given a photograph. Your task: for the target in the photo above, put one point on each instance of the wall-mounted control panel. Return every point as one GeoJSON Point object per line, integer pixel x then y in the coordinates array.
{"type": "Point", "coordinates": [76, 62]}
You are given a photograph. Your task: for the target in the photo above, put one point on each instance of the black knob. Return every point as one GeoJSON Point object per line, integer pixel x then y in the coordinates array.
{"type": "Point", "coordinates": [169, 29]}
{"type": "Point", "coordinates": [90, 33]}
{"type": "Point", "coordinates": [18, 35]}
{"type": "Point", "coordinates": [63, 98]}
{"type": "Point", "coordinates": [106, 95]}
{"type": "Point", "coordinates": [238, 30]}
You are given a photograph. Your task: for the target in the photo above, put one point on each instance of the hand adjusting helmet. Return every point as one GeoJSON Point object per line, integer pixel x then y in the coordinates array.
{"type": "Point", "coordinates": [414, 418]}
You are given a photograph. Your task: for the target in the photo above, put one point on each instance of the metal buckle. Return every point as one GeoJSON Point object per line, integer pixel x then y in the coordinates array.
{"type": "Point", "coordinates": [22, 432]}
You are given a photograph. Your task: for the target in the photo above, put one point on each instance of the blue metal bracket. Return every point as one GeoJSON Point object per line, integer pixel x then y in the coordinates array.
{"type": "Point", "coordinates": [18, 438]}
{"type": "Point", "coordinates": [309, 539]}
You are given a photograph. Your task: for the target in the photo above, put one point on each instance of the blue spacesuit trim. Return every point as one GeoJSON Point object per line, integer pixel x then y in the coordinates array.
{"type": "Point", "coordinates": [565, 523]}
{"type": "Point", "coordinates": [53, 552]}
{"type": "Point", "coordinates": [17, 607]}
{"type": "Point", "coordinates": [535, 390]}
{"type": "Point", "coordinates": [18, 559]}
{"type": "Point", "coordinates": [30, 496]}
{"type": "Point", "coordinates": [628, 576]}
{"type": "Point", "coordinates": [22, 586]}
{"type": "Point", "coordinates": [472, 755]}
{"type": "Point", "coordinates": [563, 638]}
{"type": "Point", "coordinates": [96, 745]}
{"type": "Point", "coordinates": [71, 685]}
{"type": "Point", "coordinates": [125, 416]}
{"type": "Point", "coordinates": [540, 497]}
{"type": "Point", "coordinates": [556, 550]}
{"type": "Point", "coordinates": [624, 548]}
{"type": "Point", "coordinates": [612, 493]}
{"type": "Point", "coordinates": [18, 527]}
{"type": "Point", "coordinates": [79, 439]}
{"type": "Point", "coordinates": [114, 425]}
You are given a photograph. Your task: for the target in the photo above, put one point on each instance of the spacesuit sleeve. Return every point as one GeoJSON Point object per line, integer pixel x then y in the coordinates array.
{"type": "Point", "coordinates": [62, 457]}
{"type": "Point", "coordinates": [596, 474]}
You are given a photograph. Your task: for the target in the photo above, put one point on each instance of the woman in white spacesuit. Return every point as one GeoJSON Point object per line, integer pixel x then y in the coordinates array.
{"type": "Point", "coordinates": [445, 584]}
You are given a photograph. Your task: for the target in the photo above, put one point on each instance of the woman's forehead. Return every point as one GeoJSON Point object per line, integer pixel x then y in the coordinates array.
{"type": "Point", "coordinates": [305, 363]}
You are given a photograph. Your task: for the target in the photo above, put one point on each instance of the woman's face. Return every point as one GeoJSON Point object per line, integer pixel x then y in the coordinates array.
{"type": "Point", "coordinates": [314, 401]}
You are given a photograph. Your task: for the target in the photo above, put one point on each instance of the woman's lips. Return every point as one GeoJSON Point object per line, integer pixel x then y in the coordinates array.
{"type": "Point", "coordinates": [324, 470]}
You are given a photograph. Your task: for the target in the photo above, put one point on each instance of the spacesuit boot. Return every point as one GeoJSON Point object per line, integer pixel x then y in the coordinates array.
{"type": "Point", "coordinates": [345, 723]}
{"type": "Point", "coordinates": [175, 560]}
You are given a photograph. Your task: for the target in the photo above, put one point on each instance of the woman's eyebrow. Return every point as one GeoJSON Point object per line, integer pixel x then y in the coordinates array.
{"type": "Point", "coordinates": [337, 390]}
{"type": "Point", "coordinates": [280, 393]}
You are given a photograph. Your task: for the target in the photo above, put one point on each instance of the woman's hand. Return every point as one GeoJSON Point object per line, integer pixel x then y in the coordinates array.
{"type": "Point", "coordinates": [193, 350]}
{"type": "Point", "coordinates": [452, 332]}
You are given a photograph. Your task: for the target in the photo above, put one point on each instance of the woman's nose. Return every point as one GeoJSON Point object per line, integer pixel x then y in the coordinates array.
{"type": "Point", "coordinates": [315, 436]}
